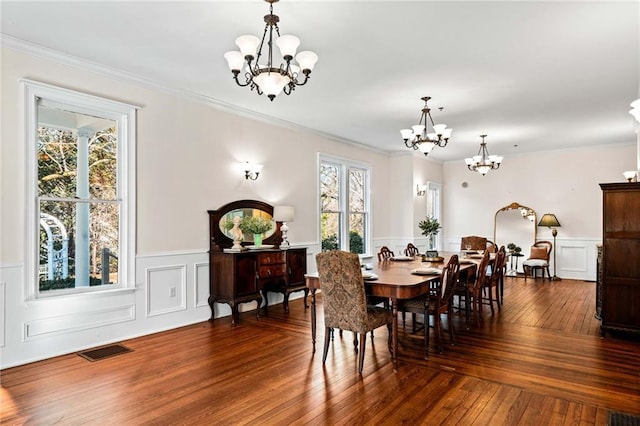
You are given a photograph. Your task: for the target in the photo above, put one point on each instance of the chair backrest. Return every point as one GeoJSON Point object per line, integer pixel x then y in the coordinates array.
{"type": "Point", "coordinates": [491, 247]}
{"type": "Point", "coordinates": [481, 276]}
{"type": "Point", "coordinates": [384, 254]}
{"type": "Point", "coordinates": [474, 242]}
{"type": "Point", "coordinates": [411, 250]}
{"type": "Point", "coordinates": [344, 299]}
{"type": "Point", "coordinates": [541, 250]}
{"type": "Point", "coordinates": [498, 269]}
{"type": "Point", "coordinates": [504, 262]}
{"type": "Point", "coordinates": [450, 278]}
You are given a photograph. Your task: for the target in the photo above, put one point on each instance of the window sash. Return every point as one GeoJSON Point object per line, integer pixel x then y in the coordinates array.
{"type": "Point", "coordinates": [346, 170]}
{"type": "Point", "coordinates": [124, 116]}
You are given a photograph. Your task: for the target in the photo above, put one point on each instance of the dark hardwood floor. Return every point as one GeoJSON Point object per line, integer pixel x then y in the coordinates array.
{"type": "Point", "coordinates": [539, 361]}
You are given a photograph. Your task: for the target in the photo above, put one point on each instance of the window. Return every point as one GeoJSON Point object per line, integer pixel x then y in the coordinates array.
{"type": "Point", "coordinates": [344, 205]}
{"type": "Point", "coordinates": [80, 191]}
{"type": "Point", "coordinates": [434, 206]}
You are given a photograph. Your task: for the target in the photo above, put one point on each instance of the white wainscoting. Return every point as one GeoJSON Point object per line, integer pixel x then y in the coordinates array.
{"type": "Point", "coordinates": [166, 289]}
{"type": "Point", "coordinates": [575, 257]}
{"type": "Point", "coordinates": [171, 290]}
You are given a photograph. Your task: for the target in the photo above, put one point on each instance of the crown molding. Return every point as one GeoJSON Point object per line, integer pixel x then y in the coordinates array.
{"type": "Point", "coordinates": [10, 42]}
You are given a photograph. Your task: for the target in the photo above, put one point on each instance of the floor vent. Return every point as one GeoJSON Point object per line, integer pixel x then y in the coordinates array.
{"type": "Point", "coordinates": [622, 419]}
{"type": "Point", "coordinates": [105, 352]}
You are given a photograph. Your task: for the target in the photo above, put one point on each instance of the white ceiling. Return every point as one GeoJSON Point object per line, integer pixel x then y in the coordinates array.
{"type": "Point", "coordinates": [532, 75]}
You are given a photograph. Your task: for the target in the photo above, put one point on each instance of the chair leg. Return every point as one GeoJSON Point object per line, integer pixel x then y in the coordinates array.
{"type": "Point", "coordinates": [450, 327]}
{"type": "Point", "coordinates": [437, 326]}
{"type": "Point", "coordinates": [327, 338]}
{"type": "Point", "coordinates": [355, 342]}
{"type": "Point", "coordinates": [491, 300]}
{"type": "Point", "coordinates": [363, 342]}
{"type": "Point", "coordinates": [426, 335]}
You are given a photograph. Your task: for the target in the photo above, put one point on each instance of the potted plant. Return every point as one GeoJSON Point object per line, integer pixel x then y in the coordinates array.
{"type": "Point", "coordinates": [511, 247]}
{"type": "Point", "coordinates": [430, 228]}
{"type": "Point", "coordinates": [256, 225]}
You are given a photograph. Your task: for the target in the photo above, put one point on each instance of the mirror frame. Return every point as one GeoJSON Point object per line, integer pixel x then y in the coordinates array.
{"type": "Point", "coordinates": [219, 241]}
{"type": "Point", "coordinates": [514, 206]}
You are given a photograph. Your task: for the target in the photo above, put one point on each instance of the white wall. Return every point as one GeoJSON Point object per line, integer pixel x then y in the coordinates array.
{"type": "Point", "coordinates": [564, 183]}
{"type": "Point", "coordinates": [188, 155]}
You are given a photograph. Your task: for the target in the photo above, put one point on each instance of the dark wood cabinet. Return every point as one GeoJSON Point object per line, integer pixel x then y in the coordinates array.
{"type": "Point", "coordinates": [620, 268]}
{"type": "Point", "coordinates": [249, 275]}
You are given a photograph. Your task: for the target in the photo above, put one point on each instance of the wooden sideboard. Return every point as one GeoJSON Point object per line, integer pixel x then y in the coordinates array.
{"type": "Point", "coordinates": [620, 291]}
{"type": "Point", "coordinates": [248, 275]}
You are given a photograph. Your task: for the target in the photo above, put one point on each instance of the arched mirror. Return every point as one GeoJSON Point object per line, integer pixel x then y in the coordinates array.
{"type": "Point", "coordinates": [515, 224]}
{"type": "Point", "coordinates": [222, 221]}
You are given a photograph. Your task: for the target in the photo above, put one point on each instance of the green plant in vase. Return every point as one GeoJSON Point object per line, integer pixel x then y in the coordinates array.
{"type": "Point", "coordinates": [256, 225]}
{"type": "Point", "coordinates": [430, 228]}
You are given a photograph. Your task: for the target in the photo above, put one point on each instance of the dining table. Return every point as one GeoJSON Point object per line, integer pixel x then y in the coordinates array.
{"type": "Point", "coordinates": [404, 277]}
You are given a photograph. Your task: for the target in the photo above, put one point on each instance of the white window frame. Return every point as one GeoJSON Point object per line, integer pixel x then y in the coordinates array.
{"type": "Point", "coordinates": [344, 165]}
{"type": "Point", "coordinates": [125, 117]}
{"type": "Point", "coordinates": [434, 205]}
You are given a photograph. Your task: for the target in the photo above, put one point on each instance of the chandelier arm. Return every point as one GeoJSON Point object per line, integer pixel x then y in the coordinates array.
{"type": "Point", "coordinates": [306, 78]}
{"type": "Point", "coordinates": [247, 76]}
{"type": "Point", "coordinates": [285, 91]}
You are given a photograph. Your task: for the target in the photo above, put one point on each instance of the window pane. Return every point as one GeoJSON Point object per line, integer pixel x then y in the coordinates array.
{"type": "Point", "coordinates": [357, 235]}
{"type": "Point", "coordinates": [76, 163]}
{"type": "Point", "coordinates": [330, 231]}
{"type": "Point", "coordinates": [78, 244]}
{"type": "Point", "coordinates": [329, 187]}
{"type": "Point", "coordinates": [356, 190]}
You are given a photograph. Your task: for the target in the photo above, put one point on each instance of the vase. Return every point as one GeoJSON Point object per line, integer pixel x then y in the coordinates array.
{"type": "Point", "coordinates": [257, 239]}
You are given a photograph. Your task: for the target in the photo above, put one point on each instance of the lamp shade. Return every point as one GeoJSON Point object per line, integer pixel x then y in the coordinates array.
{"type": "Point", "coordinates": [283, 213]}
{"type": "Point", "coordinates": [549, 220]}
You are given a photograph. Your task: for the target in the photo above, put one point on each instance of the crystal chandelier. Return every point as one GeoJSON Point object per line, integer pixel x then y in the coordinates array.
{"type": "Point", "coordinates": [483, 162]}
{"type": "Point", "coordinates": [266, 77]}
{"type": "Point", "coordinates": [419, 137]}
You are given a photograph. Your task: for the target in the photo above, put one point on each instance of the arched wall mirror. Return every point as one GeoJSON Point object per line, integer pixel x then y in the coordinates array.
{"type": "Point", "coordinates": [220, 219]}
{"type": "Point", "coordinates": [515, 224]}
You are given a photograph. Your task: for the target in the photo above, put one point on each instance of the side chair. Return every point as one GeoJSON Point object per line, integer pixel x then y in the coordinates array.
{"type": "Point", "coordinates": [385, 254]}
{"type": "Point", "coordinates": [474, 242]}
{"type": "Point", "coordinates": [436, 303]}
{"type": "Point", "coordinates": [411, 250]}
{"type": "Point", "coordinates": [345, 302]}
{"type": "Point", "coordinates": [538, 259]}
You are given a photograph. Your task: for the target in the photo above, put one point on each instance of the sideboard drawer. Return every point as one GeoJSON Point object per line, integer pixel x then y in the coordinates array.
{"type": "Point", "coordinates": [270, 271]}
{"type": "Point", "coordinates": [271, 258]}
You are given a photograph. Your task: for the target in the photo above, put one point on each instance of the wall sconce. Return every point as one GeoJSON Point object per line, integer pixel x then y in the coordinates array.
{"type": "Point", "coordinates": [630, 175]}
{"type": "Point", "coordinates": [252, 171]}
{"type": "Point", "coordinates": [421, 190]}
{"type": "Point", "coordinates": [283, 214]}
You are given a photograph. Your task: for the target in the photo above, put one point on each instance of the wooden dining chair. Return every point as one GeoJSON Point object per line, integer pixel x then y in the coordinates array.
{"type": "Point", "coordinates": [491, 283]}
{"type": "Point", "coordinates": [384, 254]}
{"type": "Point", "coordinates": [411, 250]}
{"type": "Point", "coordinates": [345, 302]}
{"type": "Point", "coordinates": [473, 242]}
{"type": "Point", "coordinates": [538, 259]}
{"type": "Point", "coordinates": [491, 247]}
{"type": "Point", "coordinates": [434, 304]}
{"type": "Point", "coordinates": [477, 287]}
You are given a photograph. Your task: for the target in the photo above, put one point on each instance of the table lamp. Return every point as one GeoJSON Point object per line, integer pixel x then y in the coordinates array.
{"type": "Point", "coordinates": [551, 221]}
{"type": "Point", "coordinates": [283, 214]}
